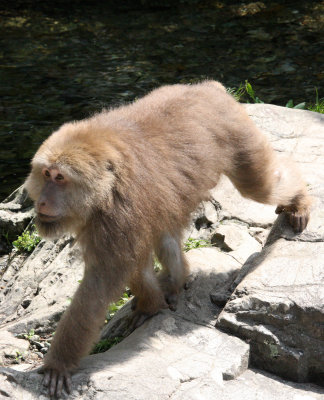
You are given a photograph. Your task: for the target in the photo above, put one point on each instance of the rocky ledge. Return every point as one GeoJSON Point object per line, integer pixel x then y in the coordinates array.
{"type": "Point", "coordinates": [263, 291]}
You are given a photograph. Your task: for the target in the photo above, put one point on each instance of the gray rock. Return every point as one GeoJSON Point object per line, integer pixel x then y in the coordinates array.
{"type": "Point", "coordinates": [236, 241]}
{"type": "Point", "coordinates": [15, 214]}
{"type": "Point", "coordinates": [9, 344]}
{"type": "Point", "coordinates": [235, 207]}
{"type": "Point", "coordinates": [203, 221]}
{"type": "Point", "coordinates": [167, 351]}
{"type": "Point", "coordinates": [252, 384]}
{"type": "Point", "coordinates": [37, 289]}
{"type": "Point", "coordinates": [146, 374]}
{"type": "Point", "coordinates": [211, 271]}
{"type": "Point", "coordinates": [279, 304]}
{"type": "Point", "coordinates": [18, 200]}
{"type": "Point", "coordinates": [279, 307]}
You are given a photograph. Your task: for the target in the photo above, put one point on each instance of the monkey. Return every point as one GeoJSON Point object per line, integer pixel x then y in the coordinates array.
{"type": "Point", "coordinates": [125, 181]}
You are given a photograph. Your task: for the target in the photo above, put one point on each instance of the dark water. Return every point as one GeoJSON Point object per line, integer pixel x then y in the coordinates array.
{"type": "Point", "coordinates": [65, 60]}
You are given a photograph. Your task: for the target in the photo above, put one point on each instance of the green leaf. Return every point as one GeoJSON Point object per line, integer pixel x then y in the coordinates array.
{"type": "Point", "coordinates": [249, 89]}
{"type": "Point", "coordinates": [195, 244]}
{"type": "Point", "coordinates": [300, 106]}
{"type": "Point", "coordinates": [105, 344]}
{"type": "Point", "coordinates": [27, 241]}
{"type": "Point", "coordinates": [257, 100]}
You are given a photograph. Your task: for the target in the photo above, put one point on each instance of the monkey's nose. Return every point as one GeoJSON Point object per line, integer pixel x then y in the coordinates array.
{"type": "Point", "coordinates": [41, 206]}
{"type": "Point", "coordinates": [45, 209]}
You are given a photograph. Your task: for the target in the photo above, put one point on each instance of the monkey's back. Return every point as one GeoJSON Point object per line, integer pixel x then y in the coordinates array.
{"type": "Point", "coordinates": [178, 143]}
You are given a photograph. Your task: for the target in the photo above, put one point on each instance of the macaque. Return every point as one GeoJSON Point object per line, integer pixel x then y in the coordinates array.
{"type": "Point", "coordinates": [125, 181]}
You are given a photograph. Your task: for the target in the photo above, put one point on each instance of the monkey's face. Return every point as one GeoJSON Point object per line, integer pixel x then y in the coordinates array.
{"type": "Point", "coordinates": [73, 175]}
{"type": "Point", "coordinates": [54, 193]}
{"type": "Point", "coordinates": [64, 199]}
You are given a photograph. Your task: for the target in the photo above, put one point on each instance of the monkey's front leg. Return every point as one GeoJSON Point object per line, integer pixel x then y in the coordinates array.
{"type": "Point", "coordinates": [76, 332]}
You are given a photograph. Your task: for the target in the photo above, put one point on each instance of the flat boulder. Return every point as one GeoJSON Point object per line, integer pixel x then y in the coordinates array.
{"type": "Point", "coordinates": [278, 304]}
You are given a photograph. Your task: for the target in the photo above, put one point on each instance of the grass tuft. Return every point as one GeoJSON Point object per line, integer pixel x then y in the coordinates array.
{"type": "Point", "coordinates": [27, 241]}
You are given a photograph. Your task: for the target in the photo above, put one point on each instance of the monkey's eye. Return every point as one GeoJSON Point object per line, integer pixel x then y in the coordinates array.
{"type": "Point", "coordinates": [47, 173]}
{"type": "Point", "coordinates": [59, 177]}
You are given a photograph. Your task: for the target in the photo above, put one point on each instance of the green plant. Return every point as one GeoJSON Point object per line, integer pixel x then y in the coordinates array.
{"type": "Point", "coordinates": [114, 307]}
{"type": "Point", "coordinates": [237, 93]}
{"type": "Point", "coordinates": [249, 90]}
{"type": "Point", "coordinates": [19, 356]}
{"type": "Point", "coordinates": [319, 104]}
{"type": "Point", "coordinates": [105, 344]}
{"type": "Point", "coordinates": [300, 106]}
{"type": "Point", "coordinates": [273, 348]}
{"type": "Point", "coordinates": [30, 334]}
{"type": "Point", "coordinates": [157, 265]}
{"type": "Point", "coordinates": [27, 241]}
{"type": "Point", "coordinates": [195, 244]}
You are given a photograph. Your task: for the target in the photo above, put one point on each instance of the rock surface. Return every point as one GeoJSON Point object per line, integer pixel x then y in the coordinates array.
{"type": "Point", "coordinates": [15, 214]}
{"type": "Point", "coordinates": [277, 304]}
{"type": "Point", "coordinates": [38, 289]}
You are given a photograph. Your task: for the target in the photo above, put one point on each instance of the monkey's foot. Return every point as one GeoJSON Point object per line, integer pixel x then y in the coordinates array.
{"type": "Point", "coordinates": [297, 219]}
{"type": "Point", "coordinates": [137, 319]}
{"type": "Point", "coordinates": [55, 381]}
{"type": "Point", "coordinates": [172, 300]}
{"type": "Point", "coordinates": [140, 315]}
{"type": "Point", "coordinates": [170, 291]}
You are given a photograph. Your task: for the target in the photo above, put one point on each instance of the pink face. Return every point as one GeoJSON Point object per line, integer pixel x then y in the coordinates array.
{"type": "Point", "coordinates": [50, 203]}
{"type": "Point", "coordinates": [53, 174]}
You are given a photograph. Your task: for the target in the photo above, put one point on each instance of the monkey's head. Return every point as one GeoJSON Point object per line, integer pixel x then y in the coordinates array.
{"type": "Point", "coordinates": [73, 174]}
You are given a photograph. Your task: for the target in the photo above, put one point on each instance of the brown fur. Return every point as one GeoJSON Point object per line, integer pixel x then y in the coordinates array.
{"type": "Point", "coordinates": [133, 176]}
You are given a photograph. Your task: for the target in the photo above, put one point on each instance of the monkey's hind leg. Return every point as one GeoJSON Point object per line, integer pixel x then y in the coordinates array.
{"type": "Point", "coordinates": [297, 206]}
{"type": "Point", "coordinates": [175, 268]}
{"type": "Point", "coordinates": [258, 173]}
{"type": "Point", "coordinates": [149, 298]}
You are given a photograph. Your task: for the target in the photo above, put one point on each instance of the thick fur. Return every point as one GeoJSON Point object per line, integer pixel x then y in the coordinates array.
{"type": "Point", "coordinates": [134, 175]}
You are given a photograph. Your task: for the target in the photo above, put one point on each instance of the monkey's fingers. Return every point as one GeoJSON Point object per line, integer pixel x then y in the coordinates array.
{"type": "Point", "coordinates": [137, 319]}
{"type": "Point", "coordinates": [172, 300]}
{"type": "Point", "coordinates": [68, 383]}
{"type": "Point", "coordinates": [280, 209]}
{"type": "Point", "coordinates": [63, 380]}
{"type": "Point", "coordinates": [134, 303]}
{"type": "Point", "coordinates": [55, 382]}
{"type": "Point", "coordinates": [186, 285]}
{"type": "Point", "coordinates": [298, 221]}
{"type": "Point", "coordinates": [40, 370]}
{"type": "Point", "coordinates": [47, 376]}
{"type": "Point", "coordinates": [59, 385]}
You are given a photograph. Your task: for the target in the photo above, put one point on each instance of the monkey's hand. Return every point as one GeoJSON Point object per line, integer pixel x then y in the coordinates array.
{"type": "Point", "coordinates": [298, 219]}
{"type": "Point", "coordinates": [56, 380]}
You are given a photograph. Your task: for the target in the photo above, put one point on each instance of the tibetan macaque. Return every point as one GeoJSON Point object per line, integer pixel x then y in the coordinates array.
{"type": "Point", "coordinates": [125, 181]}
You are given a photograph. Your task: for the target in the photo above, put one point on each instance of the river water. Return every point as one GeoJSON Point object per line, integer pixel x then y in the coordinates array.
{"type": "Point", "coordinates": [65, 60]}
